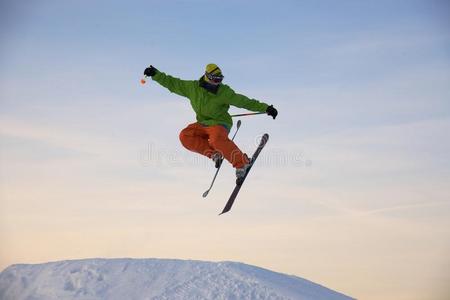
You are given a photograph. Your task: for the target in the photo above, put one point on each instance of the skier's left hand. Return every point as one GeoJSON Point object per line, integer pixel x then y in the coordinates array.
{"type": "Point", "coordinates": [271, 111]}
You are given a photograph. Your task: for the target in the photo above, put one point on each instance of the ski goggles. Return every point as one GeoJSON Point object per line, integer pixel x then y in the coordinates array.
{"type": "Point", "coordinates": [214, 78]}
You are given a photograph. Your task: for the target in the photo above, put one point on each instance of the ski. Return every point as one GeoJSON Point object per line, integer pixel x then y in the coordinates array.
{"type": "Point", "coordinates": [236, 190]}
{"type": "Point", "coordinates": [238, 125]}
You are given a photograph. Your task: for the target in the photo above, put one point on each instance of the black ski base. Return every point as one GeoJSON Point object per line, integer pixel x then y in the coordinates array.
{"type": "Point", "coordinates": [240, 181]}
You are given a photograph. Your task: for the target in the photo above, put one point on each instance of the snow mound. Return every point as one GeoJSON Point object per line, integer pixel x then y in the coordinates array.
{"type": "Point", "coordinates": [119, 279]}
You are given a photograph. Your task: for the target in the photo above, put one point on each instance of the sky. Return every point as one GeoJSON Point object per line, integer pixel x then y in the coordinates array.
{"type": "Point", "coordinates": [352, 190]}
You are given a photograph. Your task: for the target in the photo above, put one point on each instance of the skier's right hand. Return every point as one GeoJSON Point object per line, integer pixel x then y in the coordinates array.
{"type": "Point", "coordinates": [150, 71]}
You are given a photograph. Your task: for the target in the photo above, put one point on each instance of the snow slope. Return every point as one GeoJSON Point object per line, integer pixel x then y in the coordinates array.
{"type": "Point", "coordinates": [153, 279]}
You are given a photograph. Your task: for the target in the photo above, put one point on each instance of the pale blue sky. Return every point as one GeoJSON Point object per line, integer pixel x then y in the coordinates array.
{"type": "Point", "coordinates": [352, 188]}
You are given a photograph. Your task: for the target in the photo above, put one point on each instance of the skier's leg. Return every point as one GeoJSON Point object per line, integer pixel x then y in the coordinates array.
{"type": "Point", "coordinates": [219, 141]}
{"type": "Point", "coordinates": [195, 138]}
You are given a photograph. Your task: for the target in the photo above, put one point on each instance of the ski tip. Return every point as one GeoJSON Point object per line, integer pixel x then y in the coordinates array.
{"type": "Point", "coordinates": [224, 211]}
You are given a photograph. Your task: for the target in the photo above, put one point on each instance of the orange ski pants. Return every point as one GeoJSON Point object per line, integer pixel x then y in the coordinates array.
{"type": "Point", "coordinates": [207, 140]}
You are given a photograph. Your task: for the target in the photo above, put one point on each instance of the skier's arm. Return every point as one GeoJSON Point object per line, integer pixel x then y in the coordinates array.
{"type": "Point", "coordinates": [173, 84]}
{"type": "Point", "coordinates": [242, 101]}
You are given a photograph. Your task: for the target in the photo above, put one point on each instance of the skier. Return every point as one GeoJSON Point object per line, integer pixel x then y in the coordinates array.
{"type": "Point", "coordinates": [211, 100]}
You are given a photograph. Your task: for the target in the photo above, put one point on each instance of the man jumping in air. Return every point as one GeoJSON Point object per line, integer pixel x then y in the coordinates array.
{"type": "Point", "coordinates": [211, 101]}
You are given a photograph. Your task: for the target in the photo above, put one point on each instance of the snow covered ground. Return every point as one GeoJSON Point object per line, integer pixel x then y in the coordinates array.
{"type": "Point", "coordinates": [153, 279]}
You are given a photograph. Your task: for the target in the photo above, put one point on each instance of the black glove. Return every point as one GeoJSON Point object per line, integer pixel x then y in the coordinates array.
{"type": "Point", "coordinates": [271, 111]}
{"type": "Point", "coordinates": [150, 71]}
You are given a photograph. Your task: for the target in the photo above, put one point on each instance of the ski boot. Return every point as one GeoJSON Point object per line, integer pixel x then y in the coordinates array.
{"type": "Point", "coordinates": [241, 172]}
{"type": "Point", "coordinates": [217, 159]}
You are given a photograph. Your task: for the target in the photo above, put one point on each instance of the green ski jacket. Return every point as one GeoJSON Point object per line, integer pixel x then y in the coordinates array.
{"type": "Point", "coordinates": [210, 108]}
